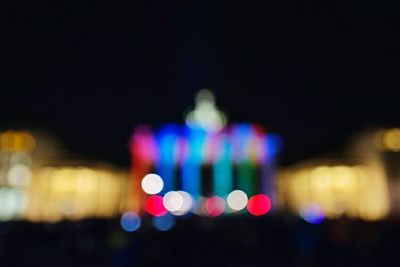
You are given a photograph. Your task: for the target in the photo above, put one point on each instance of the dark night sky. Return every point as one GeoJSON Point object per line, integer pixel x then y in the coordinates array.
{"type": "Point", "coordinates": [315, 73]}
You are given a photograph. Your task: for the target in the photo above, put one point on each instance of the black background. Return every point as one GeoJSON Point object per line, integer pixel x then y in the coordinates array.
{"type": "Point", "coordinates": [316, 73]}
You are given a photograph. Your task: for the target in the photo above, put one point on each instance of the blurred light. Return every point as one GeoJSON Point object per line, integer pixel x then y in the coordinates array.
{"type": "Point", "coordinates": [391, 140]}
{"type": "Point", "coordinates": [164, 223]}
{"type": "Point", "coordinates": [154, 206]}
{"type": "Point", "coordinates": [167, 140]}
{"type": "Point", "coordinates": [312, 213]}
{"type": "Point", "coordinates": [259, 205]}
{"type": "Point", "coordinates": [76, 193]}
{"type": "Point", "coordinates": [152, 184]}
{"type": "Point", "coordinates": [186, 205]}
{"type": "Point", "coordinates": [143, 146]}
{"type": "Point", "coordinates": [17, 141]}
{"type": "Point", "coordinates": [241, 155]}
{"type": "Point", "coordinates": [13, 203]}
{"type": "Point", "coordinates": [355, 191]}
{"type": "Point", "coordinates": [19, 175]}
{"type": "Point", "coordinates": [20, 158]}
{"type": "Point", "coordinates": [237, 200]}
{"type": "Point", "coordinates": [173, 201]}
{"type": "Point", "coordinates": [130, 221]}
{"type": "Point", "coordinates": [215, 206]}
{"type": "Point", "coordinates": [206, 115]}
{"type": "Point", "coordinates": [199, 207]}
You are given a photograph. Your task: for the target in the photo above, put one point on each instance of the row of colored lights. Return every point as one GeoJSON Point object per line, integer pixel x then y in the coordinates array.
{"type": "Point", "coordinates": [174, 144]}
{"type": "Point", "coordinates": [164, 221]}
{"type": "Point", "coordinates": [175, 203]}
{"type": "Point", "coordinates": [241, 154]}
{"type": "Point", "coordinates": [179, 203]}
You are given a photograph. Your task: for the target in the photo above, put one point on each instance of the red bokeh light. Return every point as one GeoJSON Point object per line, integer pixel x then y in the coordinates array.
{"type": "Point", "coordinates": [215, 206]}
{"type": "Point", "coordinates": [154, 206]}
{"type": "Point", "coordinates": [259, 205]}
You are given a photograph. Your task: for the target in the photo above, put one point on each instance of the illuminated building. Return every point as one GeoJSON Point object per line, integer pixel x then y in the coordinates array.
{"type": "Point", "coordinates": [204, 167]}
{"type": "Point", "coordinates": [355, 191]}
{"type": "Point", "coordinates": [77, 192]}
{"type": "Point", "coordinates": [37, 184]}
{"type": "Point", "coordinates": [385, 150]}
{"type": "Point", "coordinates": [366, 189]}
{"type": "Point", "coordinates": [202, 162]}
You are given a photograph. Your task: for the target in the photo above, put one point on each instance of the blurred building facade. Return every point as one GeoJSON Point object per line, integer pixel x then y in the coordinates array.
{"type": "Point", "coordinates": [205, 158]}
{"type": "Point", "coordinates": [364, 184]}
{"type": "Point", "coordinates": [38, 184]}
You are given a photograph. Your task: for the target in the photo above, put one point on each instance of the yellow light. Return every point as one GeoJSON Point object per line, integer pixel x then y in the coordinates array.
{"type": "Point", "coordinates": [17, 141]}
{"type": "Point", "coordinates": [76, 193]}
{"type": "Point", "coordinates": [391, 140]}
{"type": "Point", "coordinates": [355, 191]}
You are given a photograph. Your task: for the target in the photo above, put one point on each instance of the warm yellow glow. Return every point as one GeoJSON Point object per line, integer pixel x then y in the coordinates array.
{"type": "Point", "coordinates": [76, 193]}
{"type": "Point", "coordinates": [388, 140]}
{"type": "Point", "coordinates": [19, 175]}
{"type": "Point", "coordinates": [17, 141]}
{"type": "Point", "coordinates": [354, 191]}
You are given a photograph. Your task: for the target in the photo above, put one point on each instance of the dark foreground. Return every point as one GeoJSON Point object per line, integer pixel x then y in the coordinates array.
{"type": "Point", "coordinates": [240, 241]}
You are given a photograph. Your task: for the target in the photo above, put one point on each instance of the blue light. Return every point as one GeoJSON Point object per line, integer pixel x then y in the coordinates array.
{"type": "Point", "coordinates": [191, 171]}
{"type": "Point", "coordinates": [167, 139]}
{"type": "Point", "coordinates": [274, 145]}
{"type": "Point", "coordinates": [241, 137]}
{"type": "Point", "coordinates": [222, 170]}
{"type": "Point", "coordinates": [164, 223]}
{"type": "Point", "coordinates": [312, 214]}
{"type": "Point", "coordinates": [130, 221]}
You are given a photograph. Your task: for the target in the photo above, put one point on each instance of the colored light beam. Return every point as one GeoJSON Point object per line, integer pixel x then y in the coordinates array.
{"type": "Point", "coordinates": [222, 169]}
{"type": "Point", "coordinates": [191, 168]}
{"type": "Point", "coordinates": [167, 140]}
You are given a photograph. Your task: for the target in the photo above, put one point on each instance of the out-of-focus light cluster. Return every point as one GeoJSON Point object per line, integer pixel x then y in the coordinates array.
{"type": "Point", "coordinates": [130, 221]}
{"type": "Point", "coordinates": [206, 114]}
{"type": "Point", "coordinates": [354, 191]}
{"type": "Point", "coordinates": [76, 193]}
{"type": "Point", "coordinates": [312, 213]}
{"type": "Point", "coordinates": [179, 203]}
{"type": "Point", "coordinates": [259, 205]}
{"type": "Point", "coordinates": [204, 161]}
{"type": "Point", "coordinates": [17, 141]}
{"type": "Point", "coordinates": [215, 206]}
{"type": "Point", "coordinates": [388, 140]}
{"type": "Point", "coordinates": [164, 223]}
{"type": "Point", "coordinates": [237, 200]}
{"type": "Point", "coordinates": [152, 184]}
{"type": "Point", "coordinates": [154, 206]}
{"type": "Point", "coordinates": [15, 172]}
{"type": "Point", "coordinates": [13, 202]}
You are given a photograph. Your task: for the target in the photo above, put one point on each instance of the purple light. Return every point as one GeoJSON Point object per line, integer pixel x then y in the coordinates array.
{"type": "Point", "coordinates": [313, 214]}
